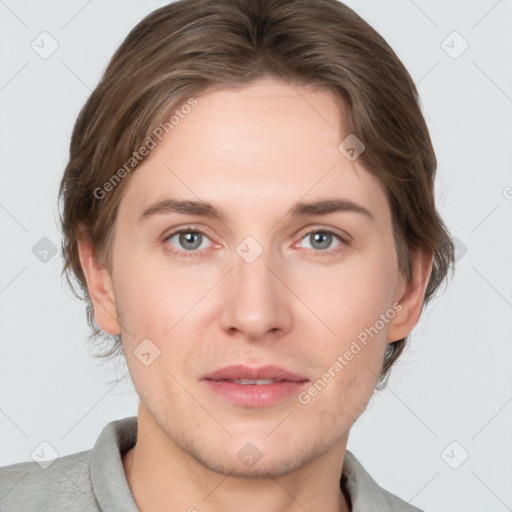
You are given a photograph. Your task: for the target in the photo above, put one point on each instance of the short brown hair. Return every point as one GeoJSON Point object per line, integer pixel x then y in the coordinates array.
{"type": "Point", "coordinates": [186, 47]}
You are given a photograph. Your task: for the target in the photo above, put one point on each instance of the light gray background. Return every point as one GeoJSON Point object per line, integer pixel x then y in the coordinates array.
{"type": "Point", "coordinates": [453, 384]}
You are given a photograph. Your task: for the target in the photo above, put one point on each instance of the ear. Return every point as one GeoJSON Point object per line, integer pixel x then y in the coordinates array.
{"type": "Point", "coordinates": [100, 288]}
{"type": "Point", "coordinates": [410, 296]}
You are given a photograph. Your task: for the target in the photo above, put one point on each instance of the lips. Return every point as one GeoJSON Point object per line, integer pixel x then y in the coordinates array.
{"type": "Point", "coordinates": [258, 382]}
{"type": "Point", "coordinates": [261, 375]}
{"type": "Point", "coordinates": [254, 387]}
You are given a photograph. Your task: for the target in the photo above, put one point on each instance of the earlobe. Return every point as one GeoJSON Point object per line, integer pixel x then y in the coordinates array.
{"type": "Point", "coordinates": [99, 285]}
{"type": "Point", "coordinates": [410, 296]}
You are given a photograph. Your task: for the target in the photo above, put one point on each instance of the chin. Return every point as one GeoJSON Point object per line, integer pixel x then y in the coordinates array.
{"type": "Point", "coordinates": [261, 466]}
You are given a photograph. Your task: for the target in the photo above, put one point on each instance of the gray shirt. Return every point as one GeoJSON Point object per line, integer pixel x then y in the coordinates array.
{"type": "Point", "coordinates": [94, 480]}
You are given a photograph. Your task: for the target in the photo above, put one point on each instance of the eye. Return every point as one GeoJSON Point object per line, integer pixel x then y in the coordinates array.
{"type": "Point", "coordinates": [321, 240]}
{"type": "Point", "coordinates": [188, 241]}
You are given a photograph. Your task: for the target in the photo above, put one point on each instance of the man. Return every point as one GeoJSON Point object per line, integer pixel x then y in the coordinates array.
{"type": "Point", "coordinates": [249, 210]}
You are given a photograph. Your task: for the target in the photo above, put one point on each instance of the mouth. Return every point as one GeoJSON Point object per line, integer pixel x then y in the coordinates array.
{"type": "Point", "coordinates": [258, 382]}
{"type": "Point", "coordinates": [254, 387]}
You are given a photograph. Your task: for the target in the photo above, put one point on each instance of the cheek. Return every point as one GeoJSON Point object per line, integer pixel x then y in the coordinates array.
{"type": "Point", "coordinates": [153, 296]}
{"type": "Point", "coordinates": [355, 302]}
{"type": "Point", "coordinates": [348, 298]}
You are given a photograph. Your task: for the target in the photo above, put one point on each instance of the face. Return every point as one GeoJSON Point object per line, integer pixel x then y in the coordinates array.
{"type": "Point", "coordinates": [261, 285]}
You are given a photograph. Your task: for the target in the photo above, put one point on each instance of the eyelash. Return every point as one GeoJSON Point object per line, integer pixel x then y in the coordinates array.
{"type": "Point", "coordinates": [318, 252]}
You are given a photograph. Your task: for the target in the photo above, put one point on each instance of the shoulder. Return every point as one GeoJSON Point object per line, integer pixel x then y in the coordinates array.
{"type": "Point", "coordinates": [64, 485]}
{"type": "Point", "coordinates": [88, 481]}
{"type": "Point", "coordinates": [365, 493]}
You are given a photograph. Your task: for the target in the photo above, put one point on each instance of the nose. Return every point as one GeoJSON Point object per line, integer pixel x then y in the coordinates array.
{"type": "Point", "coordinates": [256, 303]}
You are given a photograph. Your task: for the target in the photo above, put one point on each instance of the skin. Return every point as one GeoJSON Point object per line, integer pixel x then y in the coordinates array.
{"type": "Point", "coordinates": [253, 152]}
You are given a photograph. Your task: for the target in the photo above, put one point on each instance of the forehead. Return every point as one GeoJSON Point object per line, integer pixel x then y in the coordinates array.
{"type": "Point", "coordinates": [266, 145]}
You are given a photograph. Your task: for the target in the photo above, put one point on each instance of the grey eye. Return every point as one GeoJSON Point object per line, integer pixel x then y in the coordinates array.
{"type": "Point", "coordinates": [320, 240]}
{"type": "Point", "coordinates": [188, 240]}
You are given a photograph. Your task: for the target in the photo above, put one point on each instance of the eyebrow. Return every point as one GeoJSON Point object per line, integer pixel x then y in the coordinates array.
{"type": "Point", "coordinates": [300, 209]}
